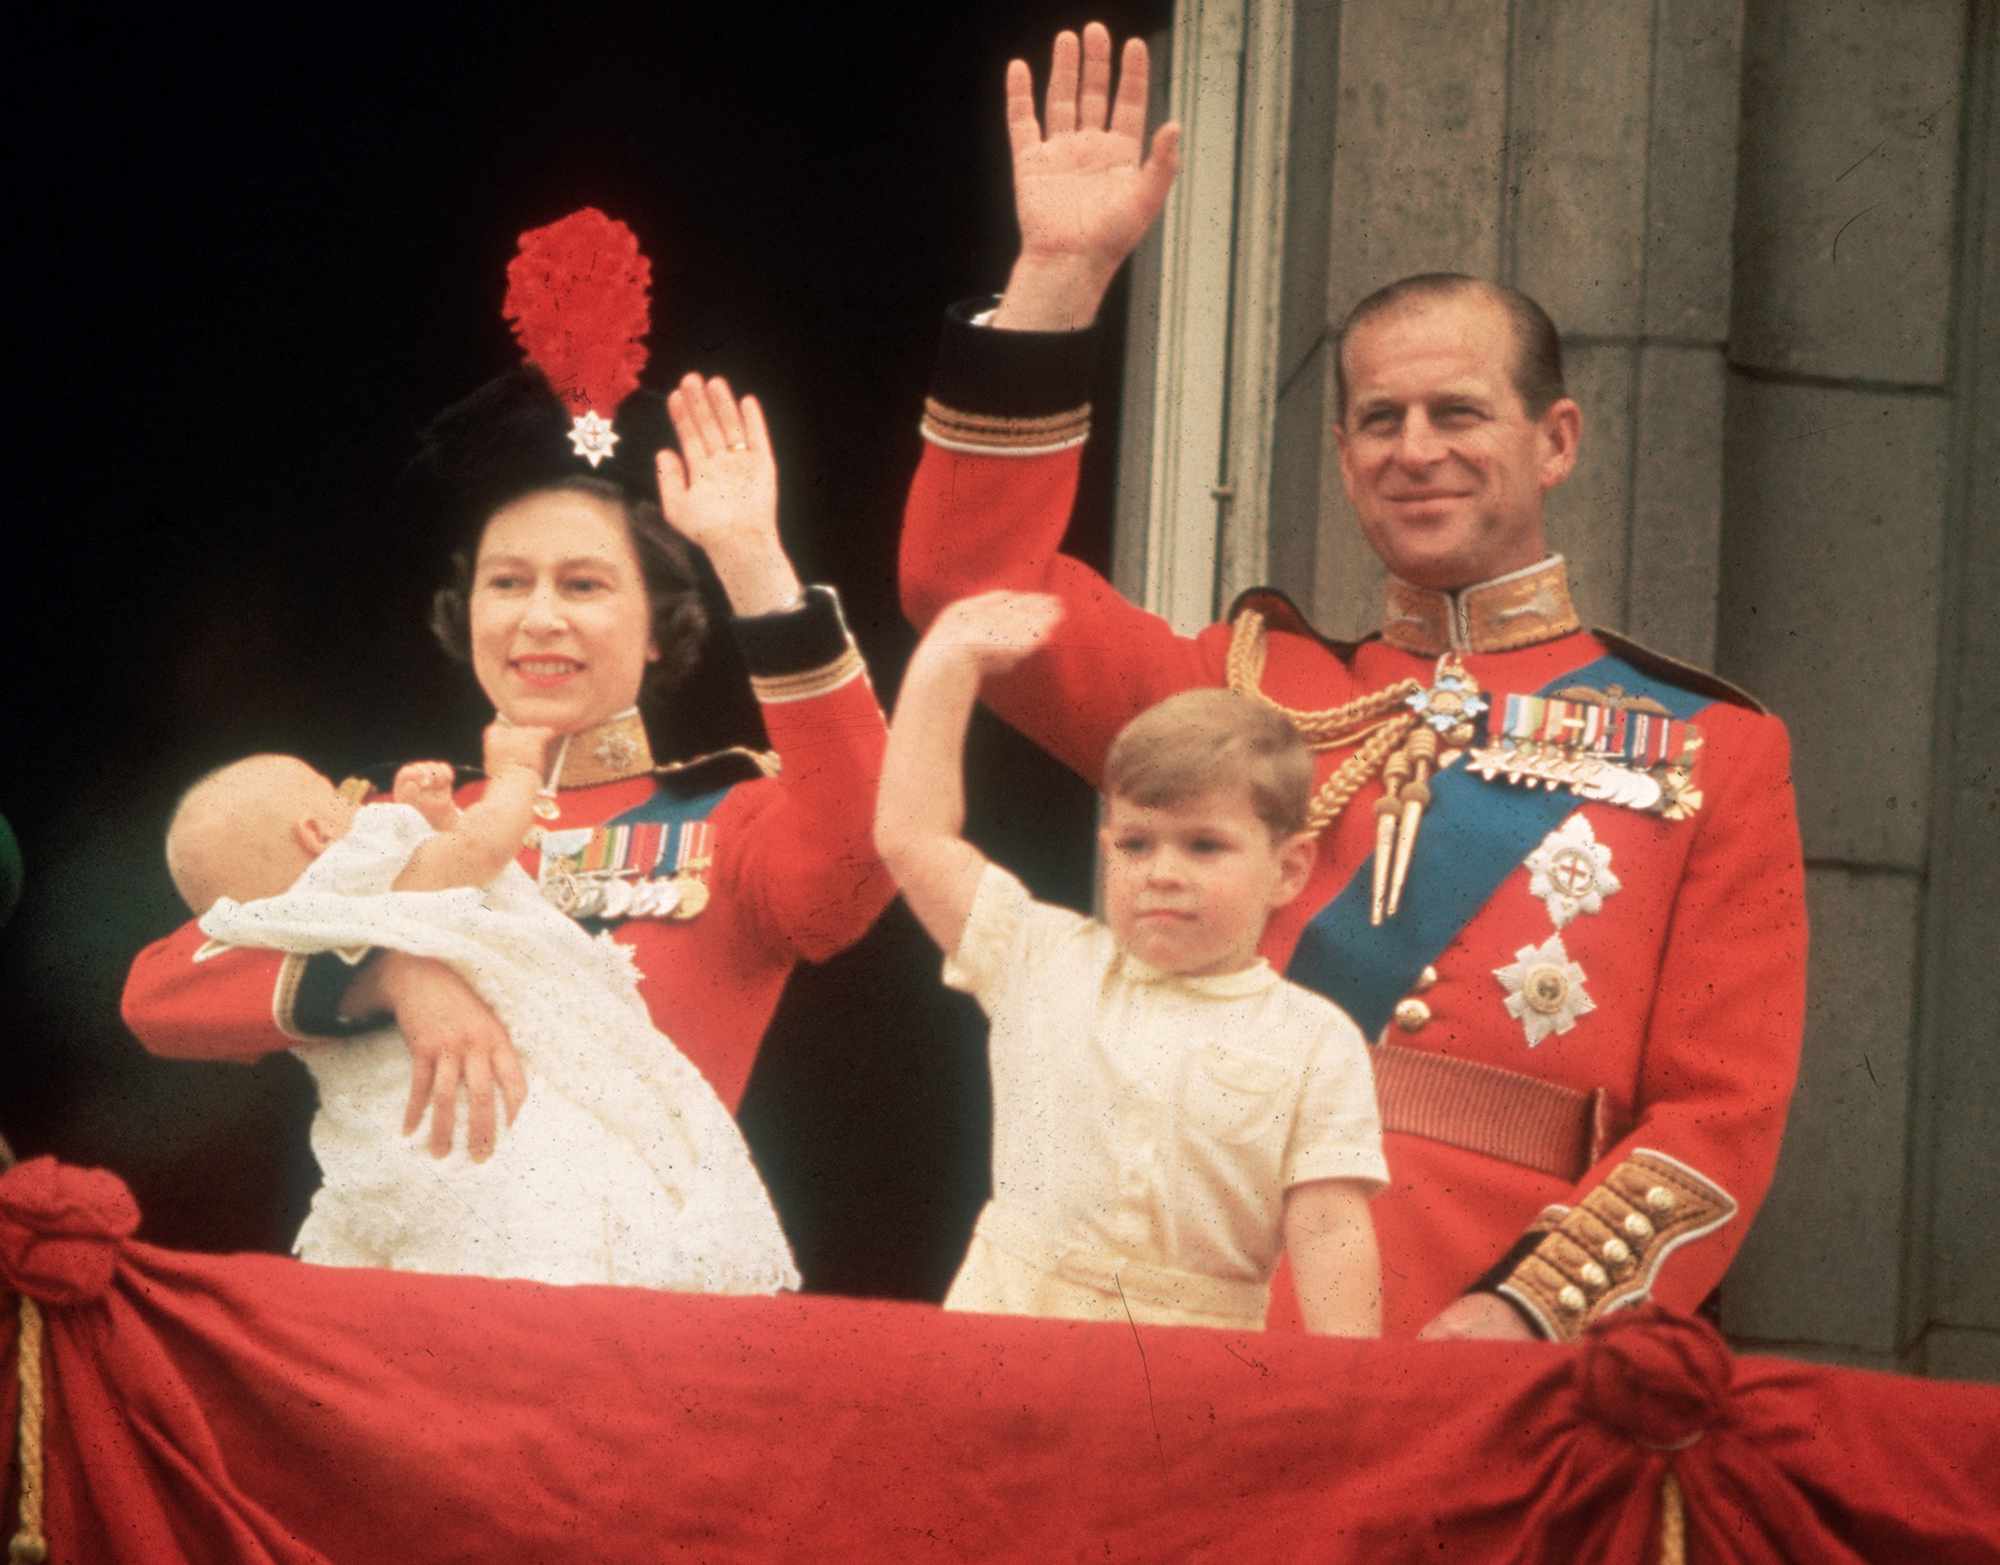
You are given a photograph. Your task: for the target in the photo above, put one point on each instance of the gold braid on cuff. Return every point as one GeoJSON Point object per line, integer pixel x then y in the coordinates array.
{"type": "Point", "coordinates": [1604, 1253]}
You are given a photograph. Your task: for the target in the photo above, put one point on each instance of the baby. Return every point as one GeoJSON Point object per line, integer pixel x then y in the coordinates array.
{"type": "Point", "coordinates": [622, 1166]}
{"type": "Point", "coordinates": [1168, 1112]}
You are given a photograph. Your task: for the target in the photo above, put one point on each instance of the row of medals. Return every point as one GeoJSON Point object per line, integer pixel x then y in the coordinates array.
{"type": "Point", "coordinates": [678, 896]}
{"type": "Point", "coordinates": [607, 894]}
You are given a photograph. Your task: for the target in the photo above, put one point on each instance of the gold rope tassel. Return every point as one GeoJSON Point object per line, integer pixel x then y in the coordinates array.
{"type": "Point", "coordinates": [1673, 1521]}
{"type": "Point", "coordinates": [30, 1546]}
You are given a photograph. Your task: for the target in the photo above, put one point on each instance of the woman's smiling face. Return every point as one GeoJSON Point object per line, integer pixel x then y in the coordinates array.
{"type": "Point", "coordinates": [561, 624]}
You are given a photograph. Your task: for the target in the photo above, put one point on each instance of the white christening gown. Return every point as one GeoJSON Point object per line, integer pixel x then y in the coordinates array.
{"type": "Point", "coordinates": [622, 1167]}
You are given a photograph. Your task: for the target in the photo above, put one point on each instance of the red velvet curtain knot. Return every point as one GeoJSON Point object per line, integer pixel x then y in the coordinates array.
{"type": "Point", "coordinates": [1660, 1379]}
{"type": "Point", "coordinates": [60, 1230]}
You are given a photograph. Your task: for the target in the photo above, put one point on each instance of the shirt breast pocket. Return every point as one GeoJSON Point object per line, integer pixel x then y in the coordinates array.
{"type": "Point", "coordinates": [1234, 1097]}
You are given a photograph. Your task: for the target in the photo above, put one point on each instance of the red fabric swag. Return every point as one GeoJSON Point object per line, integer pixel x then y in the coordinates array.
{"type": "Point", "coordinates": [251, 1408]}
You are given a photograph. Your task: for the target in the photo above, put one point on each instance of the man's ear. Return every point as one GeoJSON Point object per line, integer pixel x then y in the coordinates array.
{"type": "Point", "coordinates": [1346, 472]}
{"type": "Point", "coordinates": [310, 833]}
{"type": "Point", "coordinates": [1561, 431]}
{"type": "Point", "coordinates": [1295, 862]}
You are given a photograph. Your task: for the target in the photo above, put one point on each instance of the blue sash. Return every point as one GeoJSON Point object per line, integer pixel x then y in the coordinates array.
{"type": "Point", "coordinates": [665, 809]}
{"type": "Point", "coordinates": [1474, 835]}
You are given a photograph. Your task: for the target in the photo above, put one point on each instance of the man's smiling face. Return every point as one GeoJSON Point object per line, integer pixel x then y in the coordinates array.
{"type": "Point", "coordinates": [1445, 466]}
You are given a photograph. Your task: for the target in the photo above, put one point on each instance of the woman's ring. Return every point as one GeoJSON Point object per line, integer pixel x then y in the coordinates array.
{"type": "Point", "coordinates": [744, 446]}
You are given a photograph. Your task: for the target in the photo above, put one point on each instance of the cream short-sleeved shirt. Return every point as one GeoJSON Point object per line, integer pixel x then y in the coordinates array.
{"type": "Point", "coordinates": [1156, 1117]}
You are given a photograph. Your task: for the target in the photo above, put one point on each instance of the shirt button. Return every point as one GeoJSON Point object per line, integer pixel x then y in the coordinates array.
{"type": "Point", "coordinates": [1660, 1198]}
{"type": "Point", "coordinates": [1426, 978]}
{"type": "Point", "coordinates": [1412, 1014]}
{"type": "Point", "coordinates": [1637, 1226]}
{"type": "Point", "coordinates": [1571, 1297]}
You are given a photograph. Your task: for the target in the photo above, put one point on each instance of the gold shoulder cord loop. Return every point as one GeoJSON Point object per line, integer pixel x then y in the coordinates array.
{"type": "Point", "coordinates": [1380, 726]}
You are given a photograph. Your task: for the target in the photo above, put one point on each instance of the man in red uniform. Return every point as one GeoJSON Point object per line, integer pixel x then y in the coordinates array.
{"type": "Point", "coordinates": [1559, 876]}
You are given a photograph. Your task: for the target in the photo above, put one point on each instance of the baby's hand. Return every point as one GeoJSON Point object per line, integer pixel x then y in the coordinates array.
{"type": "Point", "coordinates": [996, 630]}
{"type": "Point", "coordinates": [426, 787]}
{"type": "Point", "coordinates": [507, 745]}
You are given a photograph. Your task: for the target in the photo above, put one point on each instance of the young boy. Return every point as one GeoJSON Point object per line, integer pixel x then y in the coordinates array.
{"type": "Point", "coordinates": [621, 1167]}
{"type": "Point", "coordinates": [1168, 1112]}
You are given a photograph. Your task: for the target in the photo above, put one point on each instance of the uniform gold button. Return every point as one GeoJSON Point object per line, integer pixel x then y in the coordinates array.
{"type": "Point", "coordinates": [1411, 1014]}
{"type": "Point", "coordinates": [1593, 1274]}
{"type": "Point", "coordinates": [1660, 1198]}
{"type": "Point", "coordinates": [1571, 1297]}
{"type": "Point", "coordinates": [1617, 1251]}
{"type": "Point", "coordinates": [1637, 1226]}
{"type": "Point", "coordinates": [1426, 978]}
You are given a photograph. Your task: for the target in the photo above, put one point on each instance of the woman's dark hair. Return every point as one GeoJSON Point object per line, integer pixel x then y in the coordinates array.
{"type": "Point", "coordinates": [666, 563]}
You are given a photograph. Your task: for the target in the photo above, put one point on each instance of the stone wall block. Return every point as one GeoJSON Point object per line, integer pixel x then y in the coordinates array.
{"type": "Point", "coordinates": [1416, 166]}
{"type": "Point", "coordinates": [1844, 230]}
{"type": "Point", "coordinates": [1677, 502]}
{"type": "Point", "coordinates": [1833, 510]}
{"type": "Point", "coordinates": [1582, 77]}
{"type": "Point", "coordinates": [1587, 515]}
{"type": "Point", "coordinates": [1819, 1264]}
{"type": "Point", "coordinates": [1691, 168]}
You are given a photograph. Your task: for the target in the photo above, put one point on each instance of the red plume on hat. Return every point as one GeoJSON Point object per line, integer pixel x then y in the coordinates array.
{"type": "Point", "coordinates": [577, 300]}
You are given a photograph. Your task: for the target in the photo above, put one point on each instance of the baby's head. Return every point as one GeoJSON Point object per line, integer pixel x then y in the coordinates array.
{"type": "Point", "coordinates": [1205, 799]}
{"type": "Point", "coordinates": [249, 829]}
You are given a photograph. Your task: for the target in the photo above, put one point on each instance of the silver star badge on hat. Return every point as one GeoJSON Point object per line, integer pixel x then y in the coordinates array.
{"type": "Point", "coordinates": [1571, 871]}
{"type": "Point", "coordinates": [592, 437]}
{"type": "Point", "coordinates": [1544, 989]}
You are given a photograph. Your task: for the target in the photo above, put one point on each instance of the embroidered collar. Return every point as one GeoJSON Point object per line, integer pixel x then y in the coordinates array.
{"type": "Point", "coordinates": [610, 752]}
{"type": "Point", "coordinates": [1508, 612]}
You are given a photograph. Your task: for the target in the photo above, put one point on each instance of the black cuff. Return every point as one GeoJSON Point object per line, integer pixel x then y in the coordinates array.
{"type": "Point", "coordinates": [322, 986]}
{"type": "Point", "coordinates": [1011, 374]}
{"type": "Point", "coordinates": [795, 641]}
{"type": "Point", "coordinates": [1489, 1280]}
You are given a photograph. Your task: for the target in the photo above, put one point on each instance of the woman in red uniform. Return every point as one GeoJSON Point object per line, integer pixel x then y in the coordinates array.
{"type": "Point", "coordinates": [569, 594]}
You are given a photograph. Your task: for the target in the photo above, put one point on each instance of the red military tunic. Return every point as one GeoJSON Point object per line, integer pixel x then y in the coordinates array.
{"type": "Point", "coordinates": [794, 876]}
{"type": "Point", "coordinates": [1687, 1013]}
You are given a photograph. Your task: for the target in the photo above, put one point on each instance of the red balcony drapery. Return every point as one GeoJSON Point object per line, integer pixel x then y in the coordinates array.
{"type": "Point", "coordinates": [254, 1408]}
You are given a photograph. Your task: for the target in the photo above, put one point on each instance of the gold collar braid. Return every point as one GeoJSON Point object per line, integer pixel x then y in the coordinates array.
{"type": "Point", "coordinates": [1512, 611]}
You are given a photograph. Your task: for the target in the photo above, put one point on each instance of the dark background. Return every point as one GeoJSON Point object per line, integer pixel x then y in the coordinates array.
{"type": "Point", "coordinates": [245, 268]}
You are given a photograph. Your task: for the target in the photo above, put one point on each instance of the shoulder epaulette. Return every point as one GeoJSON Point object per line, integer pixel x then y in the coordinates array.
{"type": "Point", "coordinates": [717, 769]}
{"type": "Point", "coordinates": [1687, 675]}
{"type": "Point", "coordinates": [1281, 613]}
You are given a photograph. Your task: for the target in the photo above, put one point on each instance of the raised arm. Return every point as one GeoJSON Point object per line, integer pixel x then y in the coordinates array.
{"type": "Point", "coordinates": [1086, 188]}
{"type": "Point", "coordinates": [808, 881]}
{"type": "Point", "coordinates": [475, 844]}
{"type": "Point", "coordinates": [920, 808]}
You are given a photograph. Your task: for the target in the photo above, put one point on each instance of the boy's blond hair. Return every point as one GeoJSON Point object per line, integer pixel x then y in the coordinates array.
{"type": "Point", "coordinates": [1190, 743]}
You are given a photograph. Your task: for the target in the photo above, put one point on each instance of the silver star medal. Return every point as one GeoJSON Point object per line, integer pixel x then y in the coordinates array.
{"type": "Point", "coordinates": [1571, 871]}
{"type": "Point", "coordinates": [592, 437]}
{"type": "Point", "coordinates": [1544, 989]}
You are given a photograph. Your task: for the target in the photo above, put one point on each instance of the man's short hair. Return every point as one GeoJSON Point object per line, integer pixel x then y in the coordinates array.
{"type": "Point", "coordinates": [1198, 740]}
{"type": "Point", "coordinates": [1538, 359]}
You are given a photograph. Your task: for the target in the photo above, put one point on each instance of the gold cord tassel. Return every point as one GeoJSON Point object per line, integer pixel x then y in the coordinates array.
{"type": "Point", "coordinates": [29, 1545]}
{"type": "Point", "coordinates": [1673, 1521]}
{"type": "Point", "coordinates": [1389, 737]}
